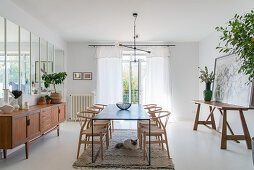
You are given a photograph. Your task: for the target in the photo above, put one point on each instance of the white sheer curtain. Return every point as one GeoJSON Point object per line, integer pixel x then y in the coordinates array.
{"type": "Point", "coordinates": [109, 75]}
{"type": "Point", "coordinates": [157, 87]}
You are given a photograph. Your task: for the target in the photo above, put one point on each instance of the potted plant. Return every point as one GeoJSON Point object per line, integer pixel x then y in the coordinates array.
{"type": "Point", "coordinates": [16, 94]}
{"type": "Point", "coordinates": [238, 38]}
{"type": "Point", "coordinates": [54, 79]}
{"type": "Point", "coordinates": [41, 100]}
{"type": "Point", "coordinates": [48, 99]}
{"type": "Point", "coordinates": [208, 79]}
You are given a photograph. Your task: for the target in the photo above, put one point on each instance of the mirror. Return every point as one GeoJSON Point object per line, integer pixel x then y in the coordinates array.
{"type": "Point", "coordinates": [35, 45]}
{"type": "Point", "coordinates": [25, 61]}
{"type": "Point", "coordinates": [2, 58]}
{"type": "Point", "coordinates": [12, 59]}
{"type": "Point", "coordinates": [59, 66]}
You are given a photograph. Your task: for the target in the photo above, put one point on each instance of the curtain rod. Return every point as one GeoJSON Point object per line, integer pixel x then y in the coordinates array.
{"type": "Point", "coordinates": [152, 45]}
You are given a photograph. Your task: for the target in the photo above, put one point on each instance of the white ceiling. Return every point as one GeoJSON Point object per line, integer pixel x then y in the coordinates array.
{"type": "Point", "coordinates": [111, 20]}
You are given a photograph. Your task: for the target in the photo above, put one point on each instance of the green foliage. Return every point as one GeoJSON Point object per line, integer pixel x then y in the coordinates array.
{"type": "Point", "coordinates": [238, 38]}
{"type": "Point", "coordinates": [47, 97]}
{"type": "Point", "coordinates": [55, 78]}
{"type": "Point", "coordinates": [42, 97]}
{"type": "Point", "coordinates": [205, 76]}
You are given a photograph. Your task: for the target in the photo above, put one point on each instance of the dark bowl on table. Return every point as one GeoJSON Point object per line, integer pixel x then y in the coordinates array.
{"type": "Point", "coordinates": [123, 106]}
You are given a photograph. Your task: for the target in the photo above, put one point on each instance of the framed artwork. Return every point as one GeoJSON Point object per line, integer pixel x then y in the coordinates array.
{"type": "Point", "coordinates": [87, 75]}
{"type": "Point", "coordinates": [230, 86]}
{"type": "Point", "coordinates": [46, 67]}
{"type": "Point", "coordinates": [77, 75]}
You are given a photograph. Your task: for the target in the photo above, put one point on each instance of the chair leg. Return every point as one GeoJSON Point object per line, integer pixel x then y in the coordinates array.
{"type": "Point", "coordinates": [101, 142]}
{"type": "Point", "coordinates": [144, 146]}
{"type": "Point", "coordinates": [79, 143]}
{"type": "Point", "coordinates": [166, 140]}
{"type": "Point", "coordinates": [112, 124]}
{"type": "Point", "coordinates": [161, 139]}
{"type": "Point", "coordinates": [107, 139]}
{"type": "Point", "coordinates": [140, 140]}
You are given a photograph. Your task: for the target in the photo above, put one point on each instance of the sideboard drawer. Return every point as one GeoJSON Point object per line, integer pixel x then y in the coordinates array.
{"type": "Point", "coordinates": [45, 119]}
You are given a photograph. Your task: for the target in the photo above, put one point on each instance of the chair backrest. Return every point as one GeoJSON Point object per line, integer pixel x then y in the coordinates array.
{"type": "Point", "coordinates": [152, 111]}
{"type": "Point", "coordinates": [162, 119]}
{"type": "Point", "coordinates": [82, 116]}
{"type": "Point", "coordinates": [99, 106]}
{"type": "Point", "coordinates": [149, 106]}
{"type": "Point", "coordinates": [93, 109]}
{"type": "Point", "coordinates": [85, 119]}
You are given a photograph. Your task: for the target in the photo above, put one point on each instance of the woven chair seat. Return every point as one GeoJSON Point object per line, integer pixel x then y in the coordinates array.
{"type": "Point", "coordinates": [96, 131]}
{"type": "Point", "coordinates": [153, 130]}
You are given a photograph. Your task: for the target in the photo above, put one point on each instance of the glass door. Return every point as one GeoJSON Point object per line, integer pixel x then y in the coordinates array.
{"type": "Point", "coordinates": [133, 79]}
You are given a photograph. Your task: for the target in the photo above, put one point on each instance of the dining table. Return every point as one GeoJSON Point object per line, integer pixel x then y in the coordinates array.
{"type": "Point", "coordinates": [112, 112]}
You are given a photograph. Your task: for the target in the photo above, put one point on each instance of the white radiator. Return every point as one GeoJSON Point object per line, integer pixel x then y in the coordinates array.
{"type": "Point", "coordinates": [80, 103]}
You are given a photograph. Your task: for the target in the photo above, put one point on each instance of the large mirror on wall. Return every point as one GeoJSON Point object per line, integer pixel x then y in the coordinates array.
{"type": "Point", "coordinates": [25, 79]}
{"type": "Point", "coordinates": [24, 58]}
{"type": "Point", "coordinates": [35, 56]}
{"type": "Point", "coordinates": [2, 57]}
{"type": "Point", "coordinates": [12, 58]}
{"type": "Point", "coordinates": [59, 66]}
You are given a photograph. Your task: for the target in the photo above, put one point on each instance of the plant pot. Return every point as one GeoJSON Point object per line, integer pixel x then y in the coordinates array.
{"type": "Point", "coordinates": [48, 101]}
{"type": "Point", "coordinates": [207, 92]}
{"type": "Point", "coordinates": [56, 98]}
{"type": "Point", "coordinates": [41, 101]}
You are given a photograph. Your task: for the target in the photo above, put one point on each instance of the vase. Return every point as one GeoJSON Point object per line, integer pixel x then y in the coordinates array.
{"type": "Point", "coordinates": [208, 92]}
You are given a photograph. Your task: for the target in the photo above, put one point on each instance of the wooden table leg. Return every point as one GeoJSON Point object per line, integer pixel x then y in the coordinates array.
{"type": "Point", "coordinates": [197, 117]}
{"type": "Point", "coordinates": [224, 131]}
{"type": "Point", "coordinates": [5, 153]}
{"type": "Point", "coordinates": [212, 117]}
{"type": "Point", "coordinates": [245, 130]}
{"type": "Point", "coordinates": [27, 149]}
{"type": "Point", "coordinates": [58, 130]}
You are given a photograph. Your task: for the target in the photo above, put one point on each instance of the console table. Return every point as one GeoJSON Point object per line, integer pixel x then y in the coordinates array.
{"type": "Point", "coordinates": [28, 126]}
{"type": "Point", "coordinates": [223, 108]}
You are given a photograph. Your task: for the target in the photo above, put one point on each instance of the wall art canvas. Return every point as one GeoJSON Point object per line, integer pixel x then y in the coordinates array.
{"type": "Point", "coordinates": [230, 86]}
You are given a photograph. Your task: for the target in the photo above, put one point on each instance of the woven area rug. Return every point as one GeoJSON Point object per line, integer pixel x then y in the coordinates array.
{"type": "Point", "coordinates": [115, 158]}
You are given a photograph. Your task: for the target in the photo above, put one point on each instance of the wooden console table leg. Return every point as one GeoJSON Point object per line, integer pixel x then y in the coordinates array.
{"type": "Point", "coordinates": [245, 130]}
{"type": "Point", "coordinates": [5, 153]}
{"type": "Point", "coordinates": [224, 131]}
{"type": "Point", "coordinates": [197, 117]}
{"type": "Point", "coordinates": [27, 150]}
{"type": "Point", "coordinates": [58, 130]}
{"type": "Point", "coordinates": [212, 117]}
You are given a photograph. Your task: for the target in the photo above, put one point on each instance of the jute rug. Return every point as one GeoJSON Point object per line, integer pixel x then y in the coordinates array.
{"type": "Point", "coordinates": [115, 158]}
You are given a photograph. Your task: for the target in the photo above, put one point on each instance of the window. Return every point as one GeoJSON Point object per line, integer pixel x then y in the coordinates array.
{"type": "Point", "coordinates": [133, 76]}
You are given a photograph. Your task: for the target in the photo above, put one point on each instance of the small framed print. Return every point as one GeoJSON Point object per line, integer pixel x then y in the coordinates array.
{"type": "Point", "coordinates": [77, 75]}
{"type": "Point", "coordinates": [87, 75]}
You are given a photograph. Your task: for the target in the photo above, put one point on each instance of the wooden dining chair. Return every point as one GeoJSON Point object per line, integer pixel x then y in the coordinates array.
{"type": "Point", "coordinates": [158, 131]}
{"type": "Point", "coordinates": [86, 133]}
{"type": "Point", "coordinates": [96, 110]}
{"type": "Point", "coordinates": [151, 112]}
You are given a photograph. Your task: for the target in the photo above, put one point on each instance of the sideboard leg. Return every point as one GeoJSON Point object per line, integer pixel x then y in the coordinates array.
{"type": "Point", "coordinates": [5, 153]}
{"type": "Point", "coordinates": [58, 130]}
{"type": "Point", "coordinates": [245, 130]}
{"type": "Point", "coordinates": [27, 150]}
{"type": "Point", "coordinates": [224, 131]}
{"type": "Point", "coordinates": [197, 117]}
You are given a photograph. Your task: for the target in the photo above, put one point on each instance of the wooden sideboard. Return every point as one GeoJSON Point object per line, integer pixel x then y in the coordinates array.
{"type": "Point", "coordinates": [28, 126]}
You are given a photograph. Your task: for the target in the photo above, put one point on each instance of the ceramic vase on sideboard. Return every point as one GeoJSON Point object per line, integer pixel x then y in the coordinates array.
{"type": "Point", "coordinates": [208, 92]}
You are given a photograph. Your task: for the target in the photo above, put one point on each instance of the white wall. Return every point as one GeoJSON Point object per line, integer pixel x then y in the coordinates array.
{"type": "Point", "coordinates": [184, 70]}
{"type": "Point", "coordinates": [207, 55]}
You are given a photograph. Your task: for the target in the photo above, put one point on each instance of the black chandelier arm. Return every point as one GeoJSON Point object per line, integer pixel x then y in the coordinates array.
{"type": "Point", "coordinates": [134, 48]}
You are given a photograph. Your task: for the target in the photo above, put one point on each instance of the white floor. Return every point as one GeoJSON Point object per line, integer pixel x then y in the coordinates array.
{"type": "Point", "coordinates": [197, 150]}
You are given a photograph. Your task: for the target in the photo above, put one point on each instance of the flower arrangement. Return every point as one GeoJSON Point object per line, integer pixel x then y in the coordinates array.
{"type": "Point", "coordinates": [205, 76]}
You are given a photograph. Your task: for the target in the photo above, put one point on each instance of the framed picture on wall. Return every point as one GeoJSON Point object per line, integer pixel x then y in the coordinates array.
{"type": "Point", "coordinates": [87, 75]}
{"type": "Point", "coordinates": [77, 75]}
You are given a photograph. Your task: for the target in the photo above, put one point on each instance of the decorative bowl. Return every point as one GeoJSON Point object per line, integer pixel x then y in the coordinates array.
{"type": "Point", "coordinates": [7, 108]}
{"type": "Point", "coordinates": [123, 106]}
